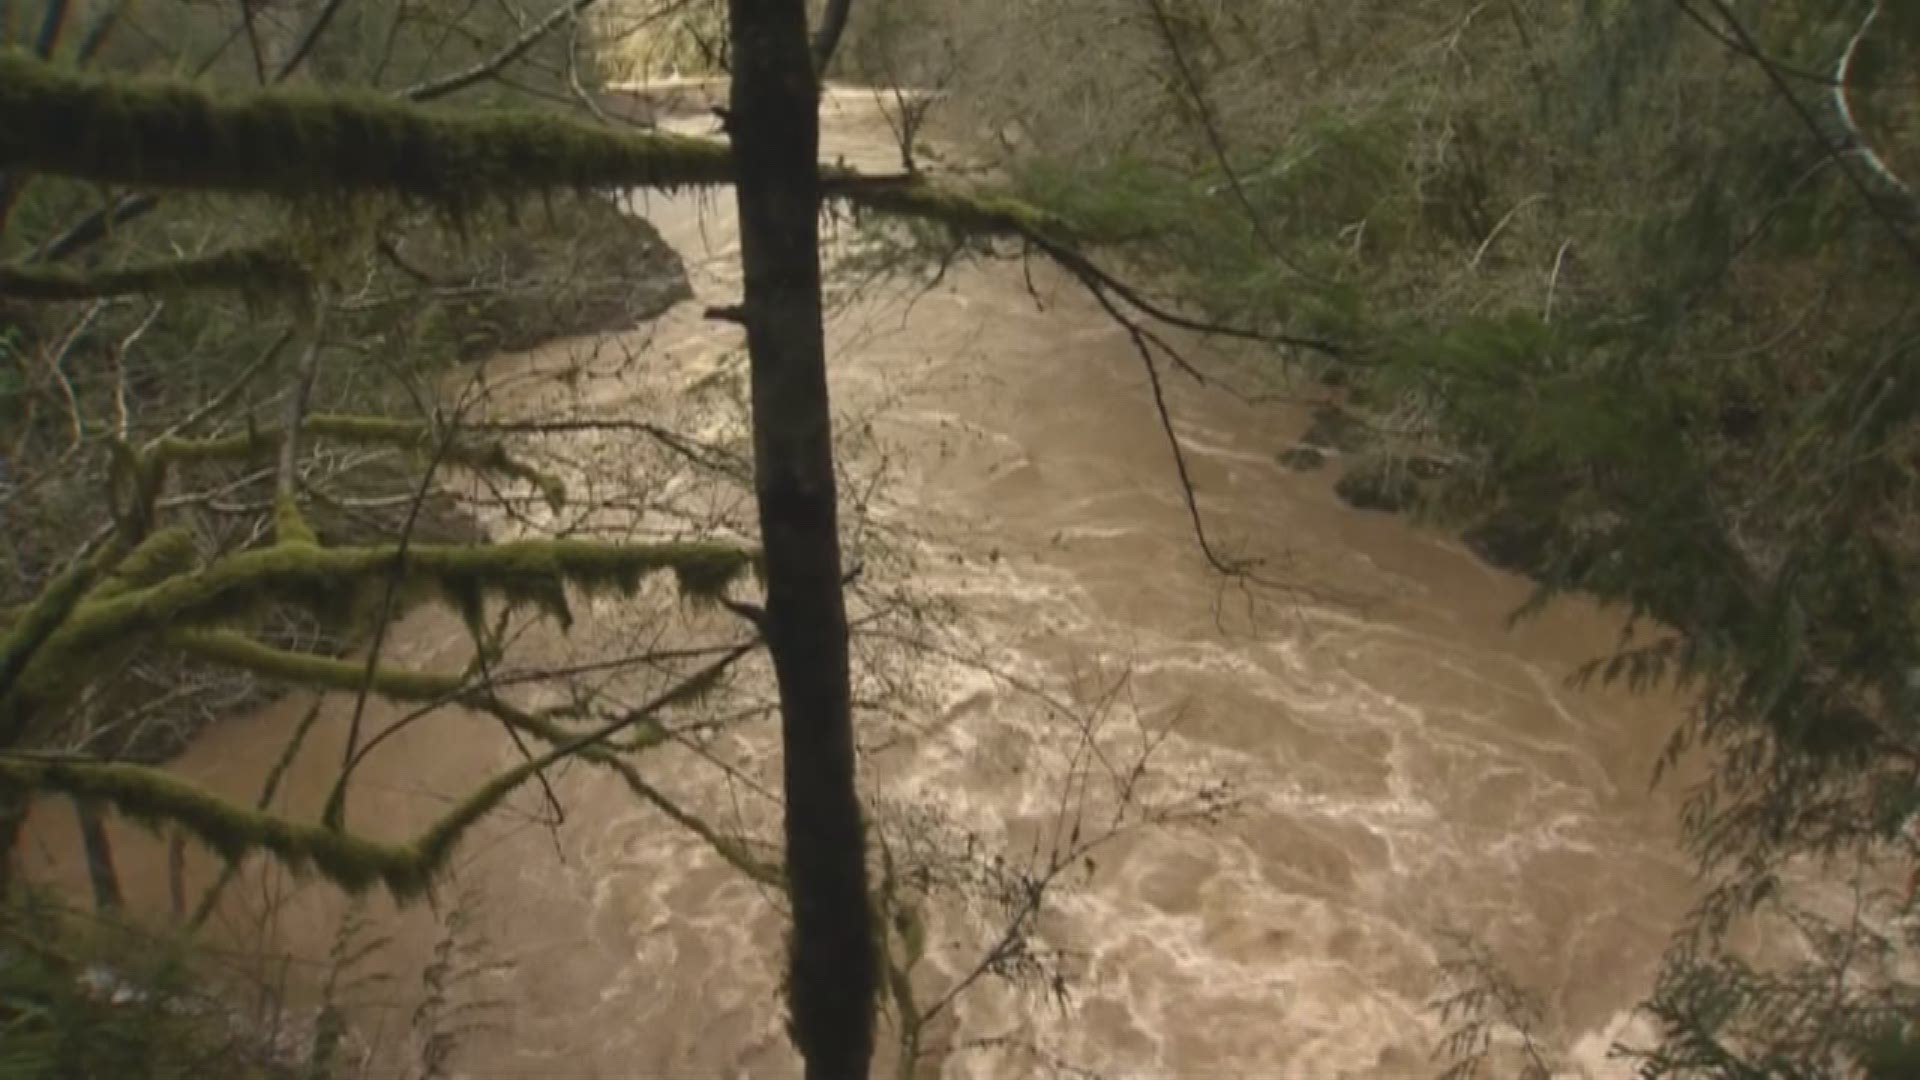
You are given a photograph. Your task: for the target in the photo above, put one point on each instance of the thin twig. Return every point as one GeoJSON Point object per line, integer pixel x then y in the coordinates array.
{"type": "Point", "coordinates": [1216, 142]}
{"type": "Point", "coordinates": [307, 40]}
{"type": "Point", "coordinates": [460, 80]}
{"type": "Point", "coordinates": [120, 418]}
{"type": "Point", "coordinates": [306, 373]}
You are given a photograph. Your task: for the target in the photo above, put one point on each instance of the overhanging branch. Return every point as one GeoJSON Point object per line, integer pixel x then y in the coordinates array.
{"type": "Point", "coordinates": [302, 144]}
{"type": "Point", "coordinates": [299, 143]}
{"type": "Point", "coordinates": [254, 269]}
{"type": "Point", "coordinates": [331, 579]}
{"type": "Point", "coordinates": [155, 797]}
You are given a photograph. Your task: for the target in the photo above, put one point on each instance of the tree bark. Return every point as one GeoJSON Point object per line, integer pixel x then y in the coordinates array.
{"type": "Point", "coordinates": [100, 873]}
{"type": "Point", "coordinates": [13, 822]}
{"type": "Point", "coordinates": [775, 127]}
{"type": "Point", "coordinates": [826, 37]}
{"type": "Point", "coordinates": [177, 875]}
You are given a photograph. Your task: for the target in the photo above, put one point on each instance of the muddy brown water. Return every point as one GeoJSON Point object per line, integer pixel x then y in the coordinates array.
{"type": "Point", "coordinates": [1404, 759]}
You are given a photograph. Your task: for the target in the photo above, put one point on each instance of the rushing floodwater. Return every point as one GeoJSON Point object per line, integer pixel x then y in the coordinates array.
{"type": "Point", "coordinates": [1404, 761]}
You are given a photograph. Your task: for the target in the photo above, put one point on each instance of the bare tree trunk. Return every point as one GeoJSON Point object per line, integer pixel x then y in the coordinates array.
{"type": "Point", "coordinates": [100, 872]}
{"type": "Point", "coordinates": [775, 126]}
{"type": "Point", "coordinates": [177, 875]}
{"type": "Point", "coordinates": [826, 37]}
{"type": "Point", "coordinates": [13, 821]}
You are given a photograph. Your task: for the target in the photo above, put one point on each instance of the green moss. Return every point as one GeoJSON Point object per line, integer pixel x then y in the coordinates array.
{"type": "Point", "coordinates": [256, 271]}
{"type": "Point", "coordinates": [252, 443]}
{"type": "Point", "coordinates": [164, 554]}
{"type": "Point", "coordinates": [535, 571]}
{"type": "Point", "coordinates": [305, 144]}
{"type": "Point", "coordinates": [531, 570]}
{"type": "Point", "coordinates": [289, 525]}
{"type": "Point", "coordinates": [971, 212]}
{"type": "Point", "coordinates": [327, 673]}
{"type": "Point", "coordinates": [302, 143]}
{"type": "Point", "coordinates": [30, 633]}
{"type": "Point", "coordinates": [155, 798]}
{"type": "Point", "coordinates": [134, 483]}
{"type": "Point", "coordinates": [494, 458]}
{"type": "Point", "coordinates": [312, 671]}
{"type": "Point", "coordinates": [158, 799]}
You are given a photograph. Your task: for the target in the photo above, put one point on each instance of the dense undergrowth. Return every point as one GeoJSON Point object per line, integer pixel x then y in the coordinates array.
{"type": "Point", "coordinates": [142, 417]}
{"type": "Point", "coordinates": [1624, 291]}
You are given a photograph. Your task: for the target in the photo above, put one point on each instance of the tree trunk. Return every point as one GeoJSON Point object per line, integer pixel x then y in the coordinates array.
{"type": "Point", "coordinates": [177, 875]}
{"type": "Point", "coordinates": [100, 872]}
{"type": "Point", "coordinates": [826, 36]}
{"type": "Point", "coordinates": [775, 127]}
{"type": "Point", "coordinates": [13, 822]}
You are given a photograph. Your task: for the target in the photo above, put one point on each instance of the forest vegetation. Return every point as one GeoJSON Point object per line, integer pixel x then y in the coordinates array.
{"type": "Point", "coordinates": [1618, 290]}
{"type": "Point", "coordinates": [1622, 291]}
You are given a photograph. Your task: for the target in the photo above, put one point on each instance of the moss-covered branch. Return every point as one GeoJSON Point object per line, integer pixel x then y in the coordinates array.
{"type": "Point", "coordinates": [976, 214]}
{"type": "Point", "coordinates": [326, 673]}
{"type": "Point", "coordinates": [259, 442]}
{"type": "Point", "coordinates": [157, 798]}
{"type": "Point", "coordinates": [257, 271]}
{"type": "Point", "coordinates": [313, 671]}
{"type": "Point", "coordinates": [332, 580]}
{"type": "Point", "coordinates": [163, 554]}
{"type": "Point", "coordinates": [526, 570]}
{"type": "Point", "coordinates": [40, 621]}
{"type": "Point", "coordinates": [154, 797]}
{"type": "Point", "coordinates": [304, 143]}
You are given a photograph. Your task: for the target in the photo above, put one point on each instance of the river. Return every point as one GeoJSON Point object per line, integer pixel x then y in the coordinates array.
{"type": "Point", "coordinates": [1402, 760]}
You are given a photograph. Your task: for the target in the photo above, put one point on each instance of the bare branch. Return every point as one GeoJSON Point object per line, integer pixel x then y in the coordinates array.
{"type": "Point", "coordinates": [307, 40]}
{"type": "Point", "coordinates": [306, 373]}
{"type": "Point", "coordinates": [406, 869]}
{"type": "Point", "coordinates": [460, 80]}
